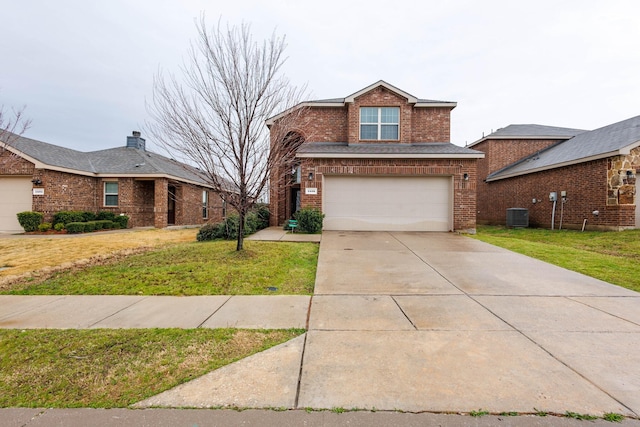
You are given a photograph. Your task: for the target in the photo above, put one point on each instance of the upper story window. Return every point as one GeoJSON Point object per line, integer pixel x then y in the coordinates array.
{"type": "Point", "coordinates": [111, 193]}
{"type": "Point", "coordinates": [379, 123]}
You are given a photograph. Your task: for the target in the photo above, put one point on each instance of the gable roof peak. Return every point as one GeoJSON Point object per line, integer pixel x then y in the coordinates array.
{"type": "Point", "coordinates": [410, 98]}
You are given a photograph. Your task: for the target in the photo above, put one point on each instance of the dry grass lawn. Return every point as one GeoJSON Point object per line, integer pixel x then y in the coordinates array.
{"type": "Point", "coordinates": [25, 255]}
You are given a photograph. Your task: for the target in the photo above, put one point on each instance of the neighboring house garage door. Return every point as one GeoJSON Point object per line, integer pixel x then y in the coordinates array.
{"type": "Point", "coordinates": [15, 196]}
{"type": "Point", "coordinates": [387, 203]}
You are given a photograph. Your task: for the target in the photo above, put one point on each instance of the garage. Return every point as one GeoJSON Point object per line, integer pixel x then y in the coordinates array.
{"type": "Point", "coordinates": [15, 193]}
{"type": "Point", "coordinates": [387, 203]}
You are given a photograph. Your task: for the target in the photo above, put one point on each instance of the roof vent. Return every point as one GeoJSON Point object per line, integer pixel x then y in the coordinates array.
{"type": "Point", "coordinates": [135, 141]}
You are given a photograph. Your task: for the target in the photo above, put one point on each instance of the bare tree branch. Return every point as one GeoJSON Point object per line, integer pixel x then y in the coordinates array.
{"type": "Point", "coordinates": [214, 116]}
{"type": "Point", "coordinates": [12, 125]}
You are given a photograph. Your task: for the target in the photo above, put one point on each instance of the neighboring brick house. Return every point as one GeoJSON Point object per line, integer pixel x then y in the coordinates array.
{"type": "Point", "coordinates": [379, 159]}
{"type": "Point", "coordinates": [151, 189]}
{"type": "Point", "coordinates": [592, 173]}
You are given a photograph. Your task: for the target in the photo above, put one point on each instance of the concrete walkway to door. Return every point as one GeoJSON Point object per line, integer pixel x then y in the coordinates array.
{"type": "Point", "coordinates": [440, 322]}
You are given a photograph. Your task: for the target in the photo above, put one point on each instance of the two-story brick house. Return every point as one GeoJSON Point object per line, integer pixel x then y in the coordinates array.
{"type": "Point", "coordinates": [592, 175]}
{"type": "Point", "coordinates": [379, 159]}
{"type": "Point", "coordinates": [151, 189]}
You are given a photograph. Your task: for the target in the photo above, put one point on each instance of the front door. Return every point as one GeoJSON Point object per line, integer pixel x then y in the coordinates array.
{"type": "Point", "coordinates": [171, 206]}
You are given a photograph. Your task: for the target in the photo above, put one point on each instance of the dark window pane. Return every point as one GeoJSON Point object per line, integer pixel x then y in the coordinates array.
{"type": "Point", "coordinates": [110, 200]}
{"type": "Point", "coordinates": [389, 132]}
{"type": "Point", "coordinates": [368, 132]}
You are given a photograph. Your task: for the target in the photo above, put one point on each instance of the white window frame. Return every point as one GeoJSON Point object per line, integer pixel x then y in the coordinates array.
{"type": "Point", "coordinates": [379, 124]}
{"type": "Point", "coordinates": [205, 204]}
{"type": "Point", "coordinates": [107, 194]}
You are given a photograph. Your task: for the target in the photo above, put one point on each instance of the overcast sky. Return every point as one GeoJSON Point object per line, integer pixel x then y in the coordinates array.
{"type": "Point", "coordinates": [84, 69]}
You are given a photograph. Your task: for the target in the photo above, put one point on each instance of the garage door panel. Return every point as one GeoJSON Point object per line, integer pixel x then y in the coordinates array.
{"type": "Point", "coordinates": [15, 196]}
{"type": "Point", "coordinates": [387, 203]}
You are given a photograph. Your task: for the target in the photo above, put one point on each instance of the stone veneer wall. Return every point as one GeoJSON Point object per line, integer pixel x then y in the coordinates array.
{"type": "Point", "coordinates": [621, 187]}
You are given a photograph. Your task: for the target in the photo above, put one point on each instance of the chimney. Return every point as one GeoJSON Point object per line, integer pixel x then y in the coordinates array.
{"type": "Point", "coordinates": [134, 141]}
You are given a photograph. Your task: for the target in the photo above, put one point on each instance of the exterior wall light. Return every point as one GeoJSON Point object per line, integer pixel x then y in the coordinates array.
{"type": "Point", "coordinates": [310, 176]}
{"type": "Point", "coordinates": [465, 177]}
{"type": "Point", "coordinates": [36, 181]}
{"type": "Point", "coordinates": [630, 174]}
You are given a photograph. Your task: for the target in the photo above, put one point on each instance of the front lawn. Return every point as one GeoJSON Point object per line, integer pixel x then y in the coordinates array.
{"type": "Point", "coordinates": [116, 368]}
{"type": "Point", "coordinates": [610, 256]}
{"type": "Point", "coordinates": [197, 268]}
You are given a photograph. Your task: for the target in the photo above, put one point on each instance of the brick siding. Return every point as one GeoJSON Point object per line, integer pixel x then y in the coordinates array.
{"type": "Point", "coordinates": [600, 185]}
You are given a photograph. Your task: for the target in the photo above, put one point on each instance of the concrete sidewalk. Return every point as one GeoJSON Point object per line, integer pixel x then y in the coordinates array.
{"type": "Point", "coordinates": [277, 234]}
{"type": "Point", "coordinates": [117, 311]}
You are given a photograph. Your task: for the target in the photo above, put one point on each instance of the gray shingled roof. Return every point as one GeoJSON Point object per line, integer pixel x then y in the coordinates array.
{"type": "Point", "coordinates": [613, 139]}
{"type": "Point", "coordinates": [118, 161]}
{"type": "Point", "coordinates": [531, 131]}
{"type": "Point", "coordinates": [343, 148]}
{"type": "Point", "coordinates": [536, 131]}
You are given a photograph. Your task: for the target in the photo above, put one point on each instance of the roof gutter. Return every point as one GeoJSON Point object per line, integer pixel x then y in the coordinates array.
{"type": "Point", "coordinates": [387, 156]}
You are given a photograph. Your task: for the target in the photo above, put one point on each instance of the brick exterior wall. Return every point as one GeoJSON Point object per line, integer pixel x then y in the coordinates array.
{"type": "Point", "coordinates": [503, 152]}
{"type": "Point", "coordinates": [600, 185]}
{"type": "Point", "coordinates": [343, 125]}
{"type": "Point", "coordinates": [11, 164]}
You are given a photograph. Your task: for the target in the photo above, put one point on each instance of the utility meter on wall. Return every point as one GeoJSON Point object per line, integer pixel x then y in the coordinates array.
{"type": "Point", "coordinates": [553, 196]}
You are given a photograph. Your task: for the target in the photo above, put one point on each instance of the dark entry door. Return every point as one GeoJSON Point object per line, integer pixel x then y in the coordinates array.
{"type": "Point", "coordinates": [171, 206]}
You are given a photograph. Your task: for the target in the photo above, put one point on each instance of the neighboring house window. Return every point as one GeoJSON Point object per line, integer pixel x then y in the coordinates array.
{"type": "Point", "coordinates": [111, 194]}
{"type": "Point", "coordinates": [379, 123]}
{"type": "Point", "coordinates": [205, 204]}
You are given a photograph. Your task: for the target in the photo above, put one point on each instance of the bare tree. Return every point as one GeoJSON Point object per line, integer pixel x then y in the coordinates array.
{"type": "Point", "coordinates": [214, 118]}
{"type": "Point", "coordinates": [12, 125]}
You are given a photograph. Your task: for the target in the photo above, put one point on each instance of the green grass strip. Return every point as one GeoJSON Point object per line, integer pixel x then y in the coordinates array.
{"type": "Point", "coordinates": [207, 268]}
{"type": "Point", "coordinates": [115, 368]}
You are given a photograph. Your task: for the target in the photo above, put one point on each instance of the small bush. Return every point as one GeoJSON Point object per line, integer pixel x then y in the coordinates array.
{"type": "Point", "coordinates": [208, 232]}
{"type": "Point", "coordinates": [103, 224]}
{"type": "Point", "coordinates": [88, 216]}
{"type": "Point", "coordinates": [106, 215]}
{"type": "Point", "coordinates": [262, 211]}
{"type": "Point", "coordinates": [59, 226]}
{"type": "Point", "coordinates": [251, 223]}
{"type": "Point", "coordinates": [30, 220]}
{"type": "Point", "coordinates": [66, 217]}
{"type": "Point", "coordinates": [44, 227]}
{"type": "Point", "coordinates": [121, 220]}
{"type": "Point", "coordinates": [75, 227]}
{"type": "Point", "coordinates": [309, 219]}
{"type": "Point", "coordinates": [227, 229]}
{"type": "Point", "coordinates": [89, 226]}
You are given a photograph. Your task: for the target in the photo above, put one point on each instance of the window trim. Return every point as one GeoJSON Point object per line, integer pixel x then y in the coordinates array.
{"type": "Point", "coordinates": [106, 194]}
{"type": "Point", "coordinates": [379, 124]}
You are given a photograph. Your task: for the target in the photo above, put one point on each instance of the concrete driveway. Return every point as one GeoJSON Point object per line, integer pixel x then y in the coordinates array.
{"type": "Point", "coordinates": [442, 323]}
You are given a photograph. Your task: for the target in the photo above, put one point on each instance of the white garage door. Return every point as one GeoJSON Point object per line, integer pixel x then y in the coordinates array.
{"type": "Point", "coordinates": [387, 203]}
{"type": "Point", "coordinates": [15, 196]}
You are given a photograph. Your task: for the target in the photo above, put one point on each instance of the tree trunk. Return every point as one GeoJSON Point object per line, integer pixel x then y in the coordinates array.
{"type": "Point", "coordinates": [240, 241]}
